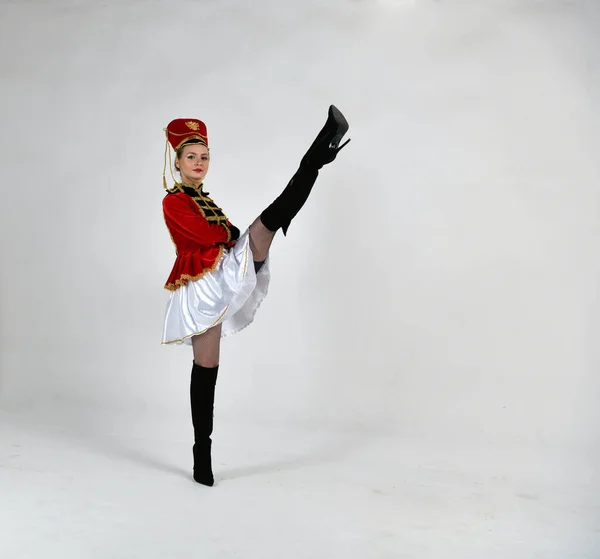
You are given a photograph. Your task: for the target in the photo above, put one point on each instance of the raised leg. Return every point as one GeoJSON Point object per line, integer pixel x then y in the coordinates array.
{"type": "Point", "coordinates": [280, 213]}
{"type": "Point", "coordinates": [260, 240]}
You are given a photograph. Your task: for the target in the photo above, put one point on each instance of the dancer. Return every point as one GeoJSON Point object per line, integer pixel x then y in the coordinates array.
{"type": "Point", "coordinates": [220, 275]}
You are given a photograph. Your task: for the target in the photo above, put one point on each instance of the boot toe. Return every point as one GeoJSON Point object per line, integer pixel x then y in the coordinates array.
{"type": "Point", "coordinates": [204, 478]}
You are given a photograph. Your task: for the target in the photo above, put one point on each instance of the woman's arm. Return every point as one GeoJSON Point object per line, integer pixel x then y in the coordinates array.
{"type": "Point", "coordinates": [183, 221]}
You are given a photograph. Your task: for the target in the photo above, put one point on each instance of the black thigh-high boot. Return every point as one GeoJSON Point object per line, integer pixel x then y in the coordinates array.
{"type": "Point", "coordinates": [202, 400]}
{"type": "Point", "coordinates": [323, 150]}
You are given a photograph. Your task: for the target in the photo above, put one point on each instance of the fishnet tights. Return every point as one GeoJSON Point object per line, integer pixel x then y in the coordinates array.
{"type": "Point", "coordinates": [207, 347]}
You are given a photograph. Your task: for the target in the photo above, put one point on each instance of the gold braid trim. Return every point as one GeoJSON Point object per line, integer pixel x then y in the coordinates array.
{"type": "Point", "coordinates": [197, 333]}
{"type": "Point", "coordinates": [207, 206]}
{"type": "Point", "coordinates": [184, 278]}
{"type": "Point", "coordinates": [204, 202]}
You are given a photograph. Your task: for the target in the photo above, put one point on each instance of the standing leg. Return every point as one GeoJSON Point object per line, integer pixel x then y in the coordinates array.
{"type": "Point", "coordinates": [205, 367]}
{"type": "Point", "coordinates": [207, 347]}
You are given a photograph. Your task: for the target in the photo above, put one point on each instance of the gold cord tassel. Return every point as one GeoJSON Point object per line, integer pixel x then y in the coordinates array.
{"type": "Point", "coordinates": [165, 161]}
{"type": "Point", "coordinates": [171, 168]}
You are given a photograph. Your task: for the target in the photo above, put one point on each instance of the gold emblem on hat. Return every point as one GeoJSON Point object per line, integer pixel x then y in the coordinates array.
{"type": "Point", "coordinates": [192, 125]}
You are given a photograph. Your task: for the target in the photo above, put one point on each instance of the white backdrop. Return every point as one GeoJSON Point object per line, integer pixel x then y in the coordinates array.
{"type": "Point", "coordinates": [422, 380]}
{"type": "Point", "coordinates": [442, 280]}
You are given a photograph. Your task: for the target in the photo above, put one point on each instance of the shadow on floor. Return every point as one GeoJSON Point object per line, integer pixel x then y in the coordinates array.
{"type": "Point", "coordinates": [133, 449]}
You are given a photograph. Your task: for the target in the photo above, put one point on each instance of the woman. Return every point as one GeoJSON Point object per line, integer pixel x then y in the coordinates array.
{"type": "Point", "coordinates": [220, 277]}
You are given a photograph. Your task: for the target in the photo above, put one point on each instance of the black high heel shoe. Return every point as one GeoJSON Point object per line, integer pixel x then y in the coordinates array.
{"type": "Point", "coordinates": [326, 145]}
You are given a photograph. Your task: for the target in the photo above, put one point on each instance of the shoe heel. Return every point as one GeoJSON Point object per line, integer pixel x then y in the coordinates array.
{"type": "Point", "coordinates": [344, 144]}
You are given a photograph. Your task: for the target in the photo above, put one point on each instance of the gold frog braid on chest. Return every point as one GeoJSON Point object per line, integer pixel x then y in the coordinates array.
{"type": "Point", "coordinates": [207, 206]}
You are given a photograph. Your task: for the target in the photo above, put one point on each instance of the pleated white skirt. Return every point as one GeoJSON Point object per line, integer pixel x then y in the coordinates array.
{"type": "Point", "coordinates": [230, 294]}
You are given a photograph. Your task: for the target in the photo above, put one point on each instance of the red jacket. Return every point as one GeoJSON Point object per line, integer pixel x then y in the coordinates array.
{"type": "Point", "coordinates": [199, 240]}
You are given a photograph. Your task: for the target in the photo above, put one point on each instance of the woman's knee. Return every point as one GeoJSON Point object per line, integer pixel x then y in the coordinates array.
{"type": "Point", "coordinates": [260, 240]}
{"type": "Point", "coordinates": [206, 361]}
{"type": "Point", "coordinates": [207, 358]}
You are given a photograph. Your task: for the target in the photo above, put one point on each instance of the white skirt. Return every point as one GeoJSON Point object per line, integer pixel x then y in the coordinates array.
{"type": "Point", "coordinates": [230, 294]}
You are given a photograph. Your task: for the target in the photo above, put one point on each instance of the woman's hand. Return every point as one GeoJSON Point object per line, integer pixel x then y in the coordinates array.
{"type": "Point", "coordinates": [235, 232]}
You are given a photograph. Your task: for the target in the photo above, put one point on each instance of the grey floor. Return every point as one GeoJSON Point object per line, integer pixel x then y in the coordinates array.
{"type": "Point", "coordinates": [74, 492]}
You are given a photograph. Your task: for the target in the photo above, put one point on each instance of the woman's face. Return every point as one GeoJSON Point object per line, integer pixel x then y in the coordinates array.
{"type": "Point", "coordinates": [193, 163]}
